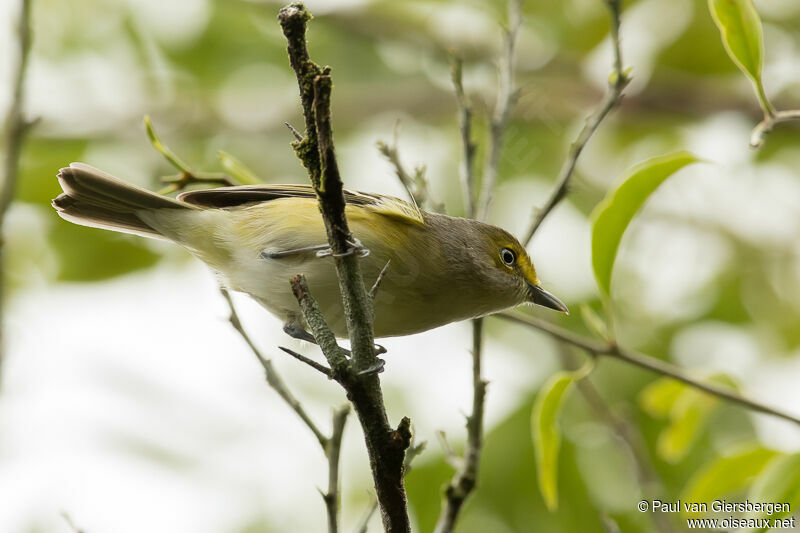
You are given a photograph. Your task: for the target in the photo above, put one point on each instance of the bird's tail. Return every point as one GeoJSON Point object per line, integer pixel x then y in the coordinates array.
{"type": "Point", "coordinates": [93, 198]}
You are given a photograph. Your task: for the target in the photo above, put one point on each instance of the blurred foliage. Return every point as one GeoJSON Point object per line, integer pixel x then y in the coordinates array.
{"type": "Point", "coordinates": [219, 80]}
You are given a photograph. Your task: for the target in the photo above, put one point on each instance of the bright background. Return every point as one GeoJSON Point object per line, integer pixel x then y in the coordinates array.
{"type": "Point", "coordinates": [130, 403]}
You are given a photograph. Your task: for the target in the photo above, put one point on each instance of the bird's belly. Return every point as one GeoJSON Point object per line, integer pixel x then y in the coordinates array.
{"type": "Point", "coordinates": [398, 310]}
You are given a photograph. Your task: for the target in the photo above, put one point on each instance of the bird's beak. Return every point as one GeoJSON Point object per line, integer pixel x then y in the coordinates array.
{"type": "Point", "coordinates": [539, 296]}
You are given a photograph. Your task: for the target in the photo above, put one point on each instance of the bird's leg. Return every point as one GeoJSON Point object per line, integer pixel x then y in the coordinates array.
{"type": "Point", "coordinates": [296, 332]}
{"type": "Point", "coordinates": [277, 254]}
{"type": "Point", "coordinates": [323, 250]}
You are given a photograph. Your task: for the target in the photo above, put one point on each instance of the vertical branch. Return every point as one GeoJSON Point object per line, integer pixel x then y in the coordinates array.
{"type": "Point", "coordinates": [333, 451]}
{"type": "Point", "coordinates": [617, 82]}
{"type": "Point", "coordinates": [14, 131]}
{"type": "Point", "coordinates": [359, 376]}
{"type": "Point", "coordinates": [466, 477]}
{"type": "Point", "coordinates": [506, 97]}
{"type": "Point", "coordinates": [468, 146]}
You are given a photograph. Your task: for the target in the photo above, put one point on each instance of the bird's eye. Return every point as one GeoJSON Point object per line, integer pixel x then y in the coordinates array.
{"type": "Point", "coordinates": [508, 256]}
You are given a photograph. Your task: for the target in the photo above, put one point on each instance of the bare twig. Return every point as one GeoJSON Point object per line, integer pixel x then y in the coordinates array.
{"type": "Point", "coordinates": [297, 135]}
{"type": "Point", "coordinates": [417, 185]}
{"type": "Point", "coordinates": [373, 292]}
{"type": "Point", "coordinates": [386, 446]}
{"type": "Point", "coordinates": [333, 451]}
{"type": "Point", "coordinates": [763, 128]}
{"type": "Point", "coordinates": [468, 146]}
{"type": "Point", "coordinates": [331, 446]}
{"type": "Point", "coordinates": [641, 360]}
{"type": "Point", "coordinates": [450, 455]}
{"type": "Point", "coordinates": [618, 80]}
{"type": "Point", "coordinates": [506, 97]}
{"type": "Point", "coordinates": [310, 362]}
{"type": "Point", "coordinates": [273, 378]}
{"type": "Point", "coordinates": [15, 130]}
{"type": "Point", "coordinates": [465, 479]}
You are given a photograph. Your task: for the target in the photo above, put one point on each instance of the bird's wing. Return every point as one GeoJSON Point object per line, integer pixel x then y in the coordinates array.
{"type": "Point", "coordinates": [223, 197]}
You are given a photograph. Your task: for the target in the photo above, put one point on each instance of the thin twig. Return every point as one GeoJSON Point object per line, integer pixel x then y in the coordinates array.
{"type": "Point", "coordinates": [15, 130]}
{"type": "Point", "coordinates": [187, 176]}
{"type": "Point", "coordinates": [331, 446]}
{"type": "Point", "coordinates": [333, 451]}
{"type": "Point", "coordinates": [616, 85]}
{"type": "Point", "coordinates": [373, 292]}
{"type": "Point", "coordinates": [468, 146]}
{"type": "Point", "coordinates": [297, 135]}
{"type": "Point", "coordinates": [757, 137]}
{"type": "Point", "coordinates": [647, 362]}
{"type": "Point", "coordinates": [386, 446]}
{"type": "Point", "coordinates": [273, 378]}
{"type": "Point", "coordinates": [506, 98]}
{"type": "Point", "coordinates": [466, 478]}
{"type": "Point", "coordinates": [310, 362]}
{"type": "Point", "coordinates": [450, 455]}
{"type": "Point", "coordinates": [416, 186]}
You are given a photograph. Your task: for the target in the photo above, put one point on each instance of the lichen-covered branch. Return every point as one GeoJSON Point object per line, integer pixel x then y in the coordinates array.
{"type": "Point", "coordinates": [614, 351]}
{"type": "Point", "coordinates": [386, 446]}
{"type": "Point", "coordinates": [15, 129]}
{"type": "Point", "coordinates": [413, 451]}
{"type": "Point", "coordinates": [617, 82]}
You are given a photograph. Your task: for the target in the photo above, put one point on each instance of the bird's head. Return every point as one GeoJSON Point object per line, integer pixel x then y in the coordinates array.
{"type": "Point", "coordinates": [510, 269]}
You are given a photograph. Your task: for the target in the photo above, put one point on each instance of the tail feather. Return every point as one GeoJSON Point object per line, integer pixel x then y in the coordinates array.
{"type": "Point", "coordinates": [93, 198]}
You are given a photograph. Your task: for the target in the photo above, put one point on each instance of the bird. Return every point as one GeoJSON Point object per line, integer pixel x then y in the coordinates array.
{"type": "Point", "coordinates": [438, 269]}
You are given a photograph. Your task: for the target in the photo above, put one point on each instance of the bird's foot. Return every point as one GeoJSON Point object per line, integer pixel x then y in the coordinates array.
{"type": "Point", "coordinates": [376, 368]}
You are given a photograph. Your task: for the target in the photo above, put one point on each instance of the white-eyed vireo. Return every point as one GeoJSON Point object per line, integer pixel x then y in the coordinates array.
{"type": "Point", "coordinates": [442, 269]}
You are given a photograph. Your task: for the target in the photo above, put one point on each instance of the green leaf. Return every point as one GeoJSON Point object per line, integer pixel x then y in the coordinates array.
{"type": "Point", "coordinates": [612, 216]}
{"type": "Point", "coordinates": [779, 482]}
{"type": "Point", "coordinates": [740, 28]}
{"type": "Point", "coordinates": [657, 398]}
{"type": "Point", "coordinates": [727, 473]}
{"type": "Point", "coordinates": [688, 418]}
{"type": "Point", "coordinates": [237, 169]}
{"type": "Point", "coordinates": [687, 410]}
{"type": "Point", "coordinates": [546, 435]}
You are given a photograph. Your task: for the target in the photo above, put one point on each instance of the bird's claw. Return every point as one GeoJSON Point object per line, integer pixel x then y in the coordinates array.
{"type": "Point", "coordinates": [376, 368]}
{"type": "Point", "coordinates": [355, 248]}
